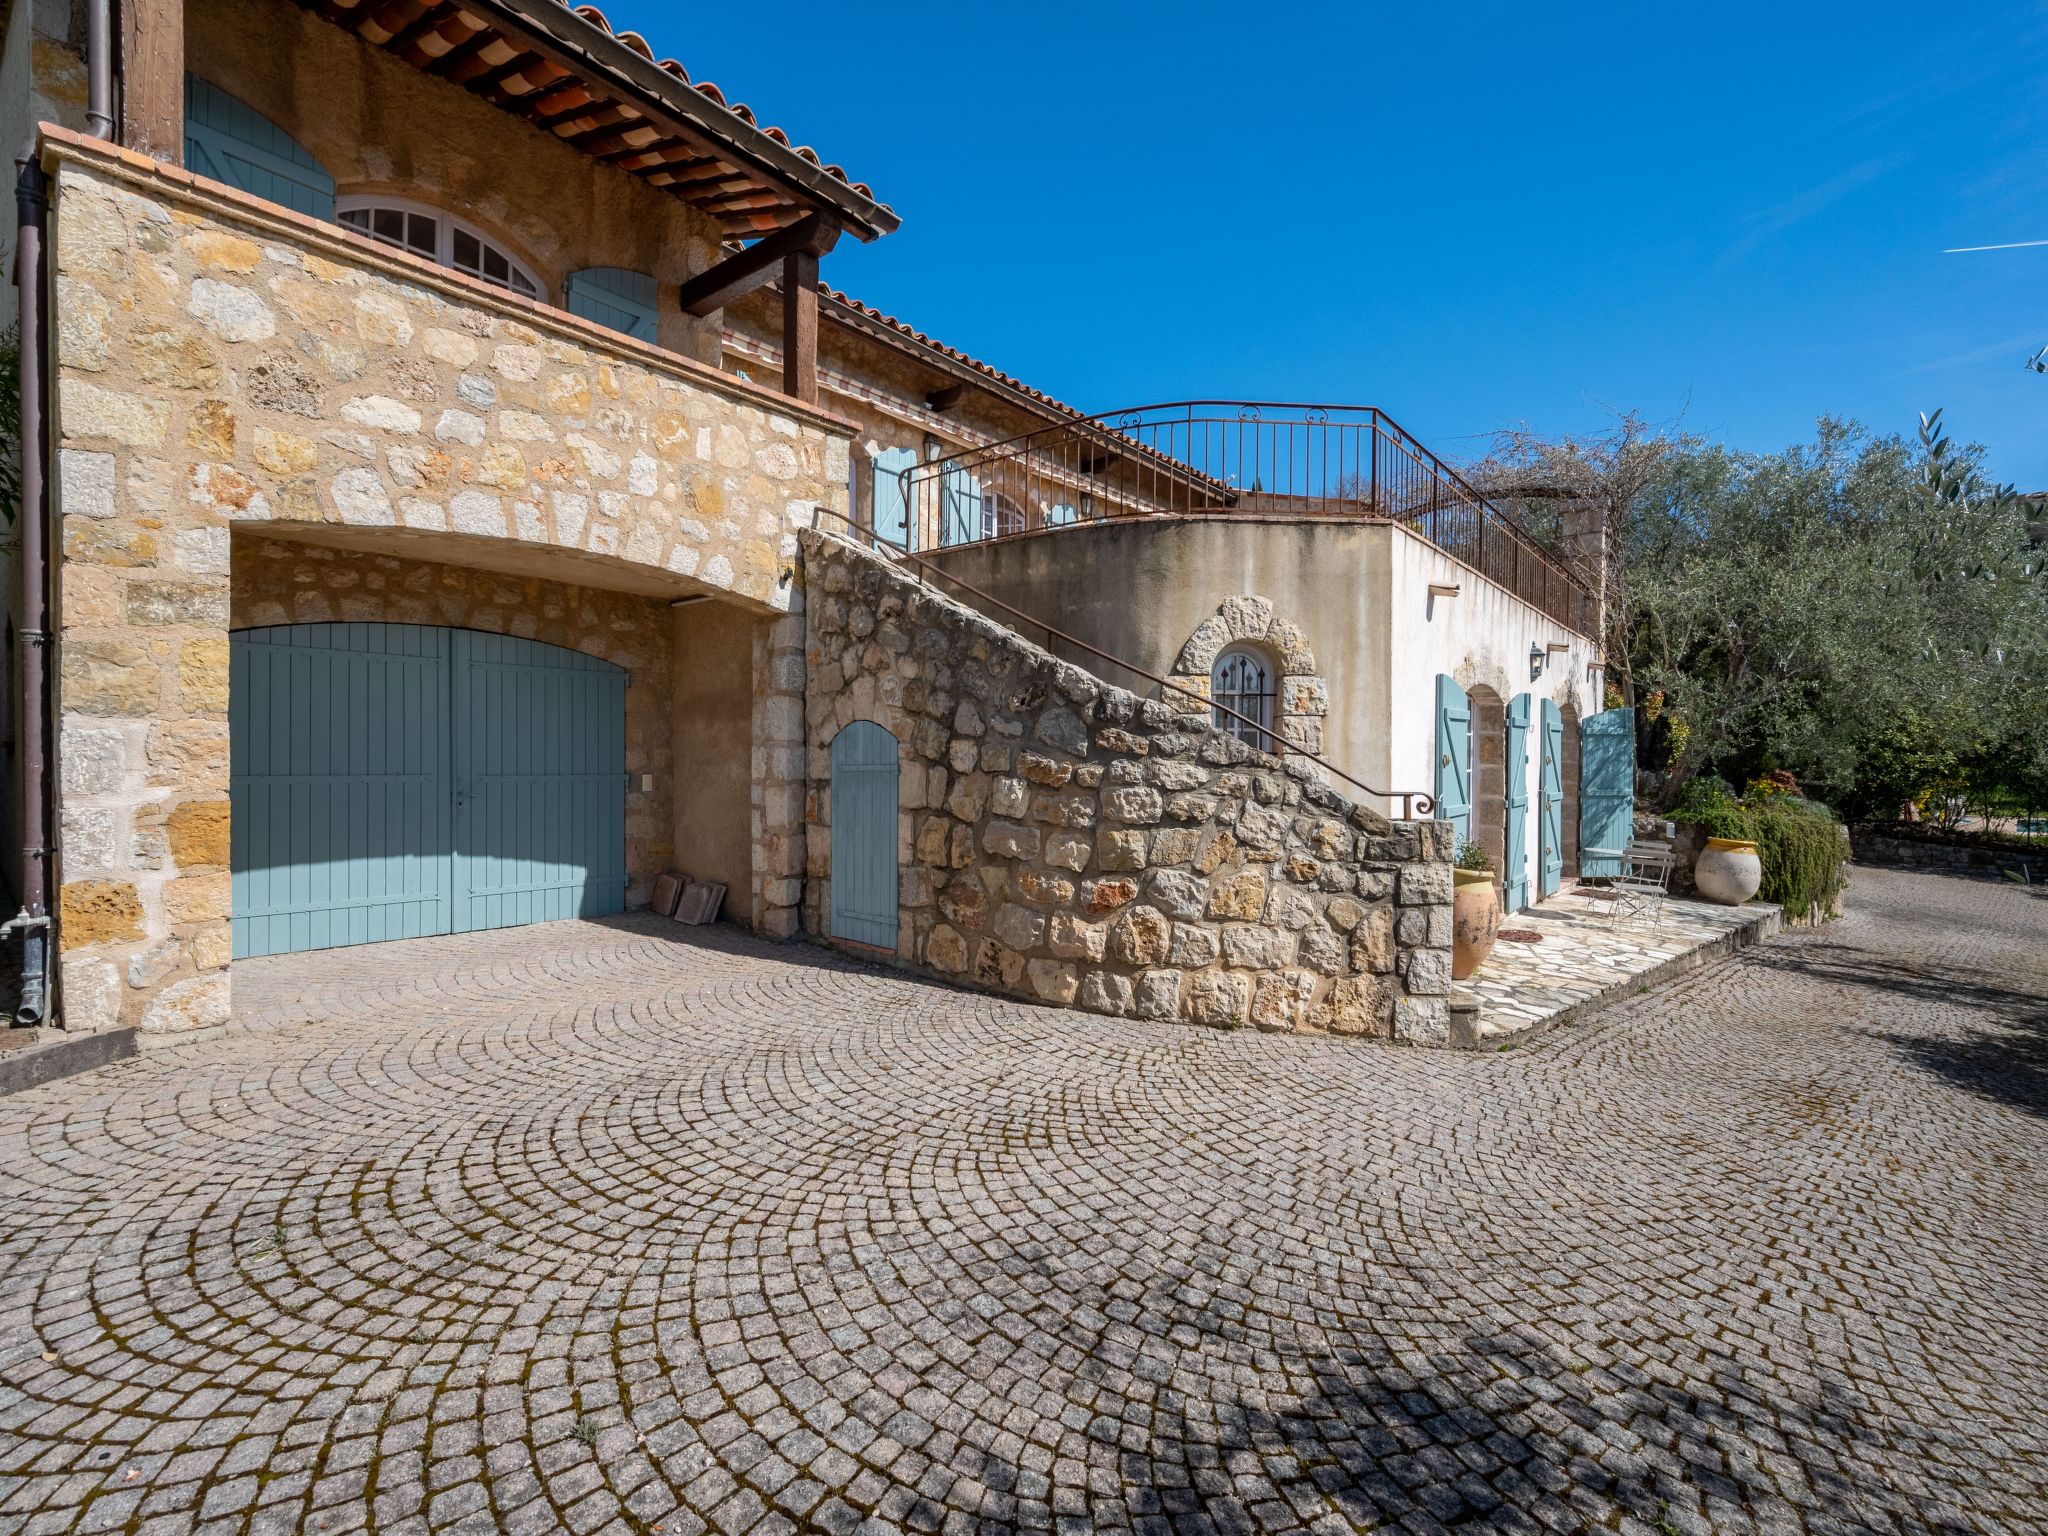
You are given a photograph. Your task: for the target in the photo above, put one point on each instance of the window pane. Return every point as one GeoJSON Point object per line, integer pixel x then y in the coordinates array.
{"type": "Point", "coordinates": [389, 225]}
{"type": "Point", "coordinates": [356, 218]}
{"type": "Point", "coordinates": [420, 232]}
{"type": "Point", "coordinates": [466, 250]}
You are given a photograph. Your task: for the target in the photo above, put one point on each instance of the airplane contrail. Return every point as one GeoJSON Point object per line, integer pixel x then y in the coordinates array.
{"type": "Point", "coordinates": [1959, 250]}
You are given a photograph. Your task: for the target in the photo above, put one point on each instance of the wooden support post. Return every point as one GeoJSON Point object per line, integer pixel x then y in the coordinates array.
{"type": "Point", "coordinates": [755, 267]}
{"type": "Point", "coordinates": [800, 326]}
{"type": "Point", "coordinates": [153, 78]}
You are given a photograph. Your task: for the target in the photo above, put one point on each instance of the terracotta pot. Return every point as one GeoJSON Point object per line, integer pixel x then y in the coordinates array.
{"type": "Point", "coordinates": [1475, 919]}
{"type": "Point", "coordinates": [1728, 871]}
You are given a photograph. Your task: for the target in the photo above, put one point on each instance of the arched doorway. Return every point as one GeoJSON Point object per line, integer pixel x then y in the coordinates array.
{"type": "Point", "coordinates": [1490, 776]}
{"type": "Point", "coordinates": [391, 781]}
{"type": "Point", "coordinates": [863, 810]}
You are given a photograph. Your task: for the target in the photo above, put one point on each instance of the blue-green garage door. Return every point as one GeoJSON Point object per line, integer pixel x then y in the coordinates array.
{"type": "Point", "coordinates": [391, 781]}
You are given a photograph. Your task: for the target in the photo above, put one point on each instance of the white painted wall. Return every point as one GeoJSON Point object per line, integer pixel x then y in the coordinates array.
{"type": "Point", "coordinates": [1483, 635]}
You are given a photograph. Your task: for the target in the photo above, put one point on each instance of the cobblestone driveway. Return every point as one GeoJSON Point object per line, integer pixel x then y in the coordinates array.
{"type": "Point", "coordinates": [589, 1228]}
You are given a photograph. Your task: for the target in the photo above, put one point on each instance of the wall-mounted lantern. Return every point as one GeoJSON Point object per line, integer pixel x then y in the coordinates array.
{"type": "Point", "coordinates": [1537, 656]}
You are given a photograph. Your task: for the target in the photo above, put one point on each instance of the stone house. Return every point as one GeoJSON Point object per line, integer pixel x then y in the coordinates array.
{"type": "Point", "coordinates": [444, 473]}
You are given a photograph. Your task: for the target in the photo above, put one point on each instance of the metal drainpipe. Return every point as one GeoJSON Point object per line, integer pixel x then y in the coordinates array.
{"type": "Point", "coordinates": [32, 203]}
{"type": "Point", "coordinates": [99, 68]}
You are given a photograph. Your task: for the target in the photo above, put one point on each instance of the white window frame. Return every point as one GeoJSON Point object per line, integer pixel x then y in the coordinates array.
{"type": "Point", "coordinates": [998, 509]}
{"type": "Point", "coordinates": [445, 226]}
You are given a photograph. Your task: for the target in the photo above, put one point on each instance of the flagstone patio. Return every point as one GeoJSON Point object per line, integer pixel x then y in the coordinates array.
{"type": "Point", "coordinates": [1587, 956]}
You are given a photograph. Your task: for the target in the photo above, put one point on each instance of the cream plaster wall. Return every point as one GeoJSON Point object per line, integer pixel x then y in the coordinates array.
{"type": "Point", "coordinates": [1140, 588]}
{"type": "Point", "coordinates": [1481, 636]}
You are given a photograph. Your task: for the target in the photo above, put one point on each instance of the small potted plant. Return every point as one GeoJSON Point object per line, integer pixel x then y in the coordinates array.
{"type": "Point", "coordinates": [1475, 910]}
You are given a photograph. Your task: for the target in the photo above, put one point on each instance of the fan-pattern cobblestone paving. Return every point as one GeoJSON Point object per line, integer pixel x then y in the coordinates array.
{"type": "Point", "coordinates": [600, 1228]}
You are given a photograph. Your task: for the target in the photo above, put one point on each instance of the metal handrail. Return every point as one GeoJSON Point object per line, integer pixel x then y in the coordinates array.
{"type": "Point", "coordinates": [1411, 800]}
{"type": "Point", "coordinates": [1286, 458]}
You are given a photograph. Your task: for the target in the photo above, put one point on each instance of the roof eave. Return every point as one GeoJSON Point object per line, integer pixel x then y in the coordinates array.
{"type": "Point", "coordinates": [811, 185]}
{"type": "Point", "coordinates": [952, 367]}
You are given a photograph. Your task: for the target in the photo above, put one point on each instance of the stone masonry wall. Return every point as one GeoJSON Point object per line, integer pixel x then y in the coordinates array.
{"type": "Point", "coordinates": [221, 363]}
{"type": "Point", "coordinates": [1065, 840]}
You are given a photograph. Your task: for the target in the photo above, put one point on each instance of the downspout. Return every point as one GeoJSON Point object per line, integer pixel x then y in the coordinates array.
{"type": "Point", "coordinates": [99, 68]}
{"type": "Point", "coordinates": [32, 204]}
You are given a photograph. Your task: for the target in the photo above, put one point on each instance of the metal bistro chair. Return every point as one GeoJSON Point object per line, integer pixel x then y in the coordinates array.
{"type": "Point", "coordinates": [1644, 881]}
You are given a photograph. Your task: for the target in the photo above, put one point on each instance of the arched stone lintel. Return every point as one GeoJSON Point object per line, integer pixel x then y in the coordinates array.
{"type": "Point", "coordinates": [1302, 694]}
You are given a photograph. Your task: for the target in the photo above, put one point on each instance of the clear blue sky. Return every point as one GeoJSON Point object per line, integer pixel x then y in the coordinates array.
{"type": "Point", "coordinates": [1471, 214]}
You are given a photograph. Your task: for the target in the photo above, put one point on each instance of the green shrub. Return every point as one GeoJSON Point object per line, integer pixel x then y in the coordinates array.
{"type": "Point", "coordinates": [1472, 856]}
{"type": "Point", "coordinates": [1798, 841]}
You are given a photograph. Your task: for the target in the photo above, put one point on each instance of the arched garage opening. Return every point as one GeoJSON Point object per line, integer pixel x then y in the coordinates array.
{"type": "Point", "coordinates": [393, 781]}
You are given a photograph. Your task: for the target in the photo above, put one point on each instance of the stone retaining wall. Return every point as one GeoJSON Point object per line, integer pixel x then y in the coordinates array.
{"type": "Point", "coordinates": [1064, 840]}
{"type": "Point", "coordinates": [1962, 858]}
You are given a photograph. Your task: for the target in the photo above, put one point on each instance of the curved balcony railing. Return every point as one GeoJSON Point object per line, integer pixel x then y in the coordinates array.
{"type": "Point", "coordinates": [1211, 457]}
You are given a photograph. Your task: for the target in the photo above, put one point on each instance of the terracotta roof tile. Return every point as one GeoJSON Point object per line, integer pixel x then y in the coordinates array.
{"type": "Point", "coordinates": [989, 371]}
{"type": "Point", "coordinates": [739, 109]}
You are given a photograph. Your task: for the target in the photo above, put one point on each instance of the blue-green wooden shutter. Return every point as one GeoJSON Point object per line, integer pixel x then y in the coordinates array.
{"type": "Point", "coordinates": [1453, 788]}
{"type": "Point", "coordinates": [1607, 790]}
{"type": "Point", "coordinates": [1516, 875]}
{"type": "Point", "coordinates": [891, 508]}
{"type": "Point", "coordinates": [229, 140]}
{"type": "Point", "coordinates": [338, 785]}
{"type": "Point", "coordinates": [959, 507]}
{"type": "Point", "coordinates": [864, 835]}
{"type": "Point", "coordinates": [1550, 800]}
{"type": "Point", "coordinates": [614, 297]}
{"type": "Point", "coordinates": [540, 782]}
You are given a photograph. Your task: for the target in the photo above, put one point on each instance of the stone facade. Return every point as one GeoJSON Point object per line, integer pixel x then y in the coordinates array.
{"type": "Point", "coordinates": [223, 364]}
{"type": "Point", "coordinates": [1065, 840]}
{"type": "Point", "coordinates": [1301, 697]}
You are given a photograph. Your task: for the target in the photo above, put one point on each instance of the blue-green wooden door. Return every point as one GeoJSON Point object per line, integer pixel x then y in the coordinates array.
{"type": "Point", "coordinates": [539, 779]}
{"type": "Point", "coordinates": [1516, 875]}
{"type": "Point", "coordinates": [1453, 785]}
{"type": "Point", "coordinates": [1550, 800]}
{"type": "Point", "coordinates": [391, 781]}
{"type": "Point", "coordinates": [864, 835]}
{"type": "Point", "coordinates": [1607, 790]}
{"type": "Point", "coordinates": [338, 784]}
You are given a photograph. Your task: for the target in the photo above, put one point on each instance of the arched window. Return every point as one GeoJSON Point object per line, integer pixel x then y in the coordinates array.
{"type": "Point", "coordinates": [439, 237]}
{"type": "Point", "coordinates": [1242, 682]}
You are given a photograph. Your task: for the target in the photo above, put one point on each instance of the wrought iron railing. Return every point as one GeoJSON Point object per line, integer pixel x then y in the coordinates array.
{"type": "Point", "coordinates": [1226, 456]}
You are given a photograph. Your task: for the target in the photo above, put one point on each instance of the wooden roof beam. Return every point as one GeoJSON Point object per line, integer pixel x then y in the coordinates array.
{"type": "Point", "coordinates": [757, 265]}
